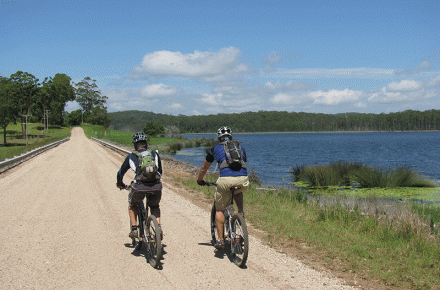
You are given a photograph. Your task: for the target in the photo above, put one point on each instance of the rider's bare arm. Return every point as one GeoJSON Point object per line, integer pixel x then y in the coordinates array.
{"type": "Point", "coordinates": [203, 171]}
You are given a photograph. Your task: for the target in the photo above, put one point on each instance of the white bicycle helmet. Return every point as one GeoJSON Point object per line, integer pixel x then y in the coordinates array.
{"type": "Point", "coordinates": [140, 137]}
{"type": "Point", "coordinates": [224, 131]}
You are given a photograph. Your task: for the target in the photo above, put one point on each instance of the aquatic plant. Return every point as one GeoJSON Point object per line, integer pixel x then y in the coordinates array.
{"type": "Point", "coordinates": [343, 173]}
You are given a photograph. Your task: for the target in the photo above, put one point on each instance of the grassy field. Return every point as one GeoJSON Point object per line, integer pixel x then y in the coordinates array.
{"type": "Point", "coordinates": [390, 244]}
{"type": "Point", "coordinates": [36, 138]}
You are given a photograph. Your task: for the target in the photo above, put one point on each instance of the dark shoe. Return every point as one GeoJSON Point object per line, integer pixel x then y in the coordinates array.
{"type": "Point", "coordinates": [219, 245]}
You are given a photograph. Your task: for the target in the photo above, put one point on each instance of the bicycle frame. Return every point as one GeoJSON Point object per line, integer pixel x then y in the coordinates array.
{"type": "Point", "coordinates": [238, 243]}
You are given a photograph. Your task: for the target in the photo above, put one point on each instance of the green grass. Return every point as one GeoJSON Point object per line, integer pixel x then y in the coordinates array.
{"type": "Point", "coordinates": [36, 138]}
{"type": "Point", "coordinates": [164, 145]}
{"type": "Point", "coordinates": [376, 239]}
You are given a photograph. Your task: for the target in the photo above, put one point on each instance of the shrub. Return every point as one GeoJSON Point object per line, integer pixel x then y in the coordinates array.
{"type": "Point", "coordinates": [346, 173]}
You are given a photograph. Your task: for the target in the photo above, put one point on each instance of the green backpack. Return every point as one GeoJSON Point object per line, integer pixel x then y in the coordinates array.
{"type": "Point", "coordinates": [147, 168]}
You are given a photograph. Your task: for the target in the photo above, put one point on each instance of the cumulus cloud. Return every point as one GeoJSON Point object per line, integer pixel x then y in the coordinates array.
{"type": "Point", "coordinates": [211, 99]}
{"type": "Point", "coordinates": [158, 91]}
{"type": "Point", "coordinates": [404, 85]}
{"type": "Point", "coordinates": [208, 66]}
{"type": "Point", "coordinates": [335, 97]}
{"type": "Point", "coordinates": [406, 90]}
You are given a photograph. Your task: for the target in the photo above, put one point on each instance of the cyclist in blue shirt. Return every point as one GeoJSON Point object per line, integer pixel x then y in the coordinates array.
{"type": "Point", "coordinates": [229, 177]}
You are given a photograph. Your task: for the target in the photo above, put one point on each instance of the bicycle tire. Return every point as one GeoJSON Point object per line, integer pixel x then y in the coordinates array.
{"type": "Point", "coordinates": [240, 242]}
{"type": "Point", "coordinates": [154, 241]}
{"type": "Point", "coordinates": [214, 234]}
{"type": "Point", "coordinates": [137, 243]}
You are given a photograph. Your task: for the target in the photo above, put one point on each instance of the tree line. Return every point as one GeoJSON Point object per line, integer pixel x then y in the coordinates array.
{"type": "Point", "coordinates": [276, 121]}
{"type": "Point", "coordinates": [24, 99]}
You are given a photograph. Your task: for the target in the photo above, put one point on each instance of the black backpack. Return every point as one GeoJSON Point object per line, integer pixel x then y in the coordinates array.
{"type": "Point", "coordinates": [234, 155]}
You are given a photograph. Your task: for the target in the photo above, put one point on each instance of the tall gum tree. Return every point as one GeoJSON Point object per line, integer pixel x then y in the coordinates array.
{"type": "Point", "coordinates": [8, 107]}
{"type": "Point", "coordinates": [54, 94]}
{"type": "Point", "coordinates": [24, 90]}
{"type": "Point", "coordinates": [88, 96]}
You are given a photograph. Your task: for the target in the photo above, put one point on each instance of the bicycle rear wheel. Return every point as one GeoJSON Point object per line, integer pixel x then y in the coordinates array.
{"type": "Point", "coordinates": [239, 240]}
{"type": "Point", "coordinates": [154, 241]}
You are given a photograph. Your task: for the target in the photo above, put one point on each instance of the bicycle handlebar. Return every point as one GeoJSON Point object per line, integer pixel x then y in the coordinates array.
{"type": "Point", "coordinates": [127, 187]}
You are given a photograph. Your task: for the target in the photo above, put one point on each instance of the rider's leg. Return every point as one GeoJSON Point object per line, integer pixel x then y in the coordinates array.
{"type": "Point", "coordinates": [156, 212]}
{"type": "Point", "coordinates": [132, 208]}
{"type": "Point", "coordinates": [220, 223]}
{"type": "Point", "coordinates": [238, 198]}
{"type": "Point", "coordinates": [133, 212]}
{"type": "Point", "coordinates": [153, 201]}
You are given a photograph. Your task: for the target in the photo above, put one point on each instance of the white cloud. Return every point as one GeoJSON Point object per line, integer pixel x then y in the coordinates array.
{"type": "Point", "coordinates": [281, 98]}
{"type": "Point", "coordinates": [405, 90]}
{"type": "Point", "coordinates": [272, 85]}
{"type": "Point", "coordinates": [211, 66]}
{"type": "Point", "coordinates": [384, 96]}
{"type": "Point", "coordinates": [404, 85]}
{"type": "Point", "coordinates": [424, 65]}
{"type": "Point", "coordinates": [175, 106]}
{"type": "Point", "coordinates": [211, 99]}
{"type": "Point", "coordinates": [158, 90]}
{"type": "Point", "coordinates": [434, 82]}
{"type": "Point", "coordinates": [338, 72]}
{"type": "Point", "coordinates": [335, 97]}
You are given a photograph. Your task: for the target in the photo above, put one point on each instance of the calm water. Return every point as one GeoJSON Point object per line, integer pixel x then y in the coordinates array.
{"type": "Point", "coordinates": [272, 156]}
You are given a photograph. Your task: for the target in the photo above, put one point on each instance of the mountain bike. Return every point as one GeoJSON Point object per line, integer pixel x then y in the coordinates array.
{"type": "Point", "coordinates": [149, 234]}
{"type": "Point", "coordinates": [236, 237]}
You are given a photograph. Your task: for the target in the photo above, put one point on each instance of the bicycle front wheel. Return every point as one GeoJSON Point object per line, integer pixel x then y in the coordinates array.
{"type": "Point", "coordinates": [239, 240]}
{"type": "Point", "coordinates": [154, 242]}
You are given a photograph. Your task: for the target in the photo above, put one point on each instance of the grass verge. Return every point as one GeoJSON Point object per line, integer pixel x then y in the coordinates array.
{"type": "Point", "coordinates": [384, 242]}
{"type": "Point", "coordinates": [37, 137]}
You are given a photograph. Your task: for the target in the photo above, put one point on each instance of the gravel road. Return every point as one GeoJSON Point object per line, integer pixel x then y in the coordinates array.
{"type": "Point", "coordinates": [64, 225]}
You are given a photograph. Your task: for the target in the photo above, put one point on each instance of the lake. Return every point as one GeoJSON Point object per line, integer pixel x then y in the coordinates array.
{"type": "Point", "coordinates": [272, 156]}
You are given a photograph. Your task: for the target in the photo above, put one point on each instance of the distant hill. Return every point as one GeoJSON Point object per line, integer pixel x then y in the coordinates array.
{"type": "Point", "coordinates": [275, 121]}
{"type": "Point", "coordinates": [133, 121]}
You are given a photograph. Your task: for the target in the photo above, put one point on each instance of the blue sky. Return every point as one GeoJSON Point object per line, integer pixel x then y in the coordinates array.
{"type": "Point", "coordinates": [209, 57]}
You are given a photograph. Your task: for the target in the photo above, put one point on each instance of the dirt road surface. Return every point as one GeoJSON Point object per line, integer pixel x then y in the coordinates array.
{"type": "Point", "coordinates": [64, 225]}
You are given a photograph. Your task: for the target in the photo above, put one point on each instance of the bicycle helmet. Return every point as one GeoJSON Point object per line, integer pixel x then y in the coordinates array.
{"type": "Point", "coordinates": [139, 137]}
{"type": "Point", "coordinates": [223, 132]}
